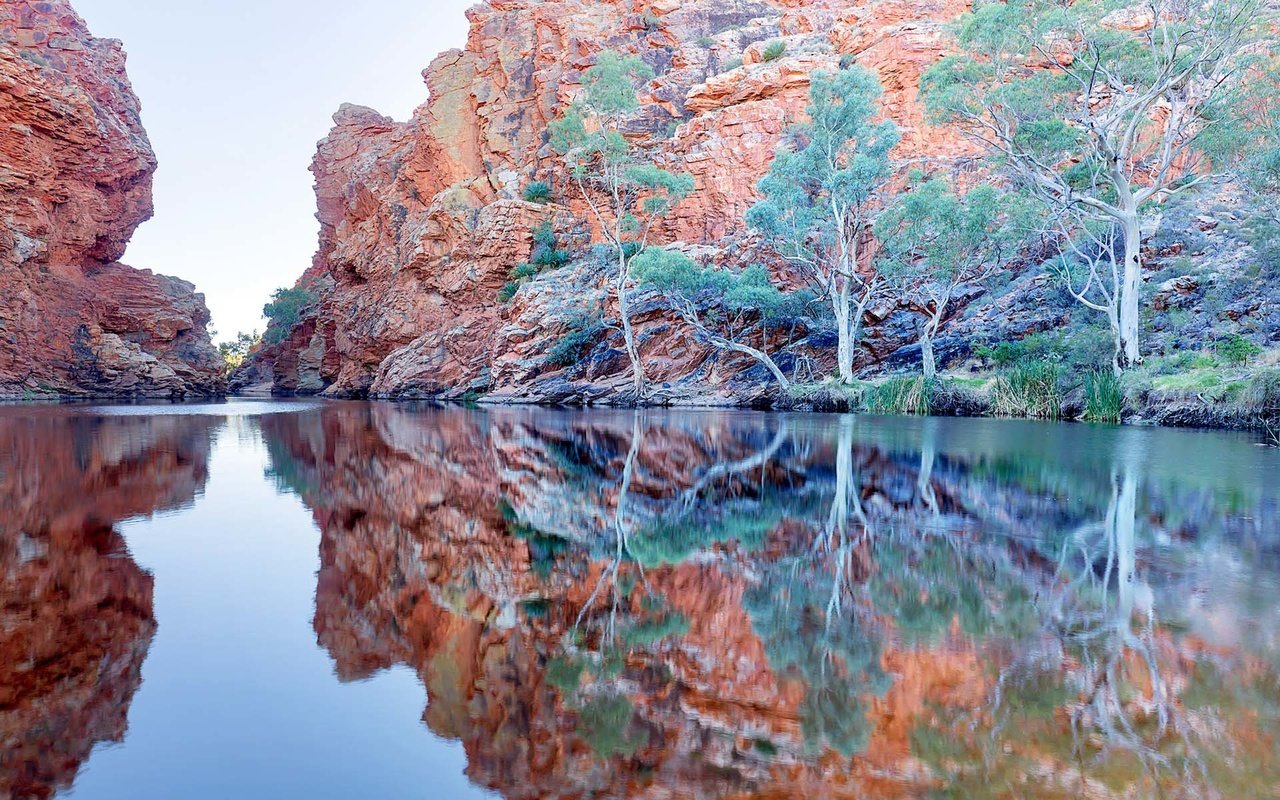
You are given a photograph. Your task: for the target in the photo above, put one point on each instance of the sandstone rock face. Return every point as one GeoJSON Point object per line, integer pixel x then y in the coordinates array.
{"type": "Point", "coordinates": [421, 222]}
{"type": "Point", "coordinates": [75, 182]}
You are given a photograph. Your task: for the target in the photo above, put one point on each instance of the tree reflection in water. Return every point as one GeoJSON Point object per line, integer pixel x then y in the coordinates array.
{"type": "Point", "coordinates": [710, 605]}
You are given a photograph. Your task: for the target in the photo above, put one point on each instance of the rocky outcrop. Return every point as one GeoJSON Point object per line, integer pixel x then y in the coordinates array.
{"type": "Point", "coordinates": [76, 611]}
{"type": "Point", "coordinates": [422, 221]}
{"type": "Point", "coordinates": [75, 182]}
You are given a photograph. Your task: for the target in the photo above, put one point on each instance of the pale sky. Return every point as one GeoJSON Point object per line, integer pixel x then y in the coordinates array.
{"type": "Point", "coordinates": [235, 94]}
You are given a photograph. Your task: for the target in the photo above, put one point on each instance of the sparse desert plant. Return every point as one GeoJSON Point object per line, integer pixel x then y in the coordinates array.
{"type": "Point", "coordinates": [774, 50]}
{"type": "Point", "coordinates": [538, 192]}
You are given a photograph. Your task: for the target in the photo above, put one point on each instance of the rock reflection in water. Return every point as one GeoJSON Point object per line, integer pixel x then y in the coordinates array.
{"type": "Point", "coordinates": [76, 615]}
{"type": "Point", "coordinates": [705, 605]}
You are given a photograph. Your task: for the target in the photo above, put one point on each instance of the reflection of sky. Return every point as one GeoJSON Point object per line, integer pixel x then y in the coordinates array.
{"type": "Point", "coordinates": [238, 700]}
{"type": "Point", "coordinates": [235, 94]}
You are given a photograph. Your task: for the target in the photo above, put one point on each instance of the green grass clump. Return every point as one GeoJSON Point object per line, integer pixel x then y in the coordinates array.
{"type": "Point", "coordinates": [1028, 390]}
{"type": "Point", "coordinates": [1103, 396]}
{"type": "Point", "coordinates": [909, 395]}
{"type": "Point", "coordinates": [774, 51]}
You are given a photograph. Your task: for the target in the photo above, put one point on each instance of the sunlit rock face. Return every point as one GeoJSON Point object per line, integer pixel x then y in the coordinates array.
{"type": "Point", "coordinates": [697, 606]}
{"type": "Point", "coordinates": [75, 182]}
{"type": "Point", "coordinates": [422, 221]}
{"type": "Point", "coordinates": [76, 616]}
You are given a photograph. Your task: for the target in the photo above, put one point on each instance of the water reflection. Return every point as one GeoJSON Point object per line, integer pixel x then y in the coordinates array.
{"type": "Point", "coordinates": [711, 605]}
{"type": "Point", "coordinates": [76, 616]}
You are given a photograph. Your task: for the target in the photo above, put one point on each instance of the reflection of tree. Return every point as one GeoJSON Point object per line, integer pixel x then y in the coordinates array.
{"type": "Point", "coordinates": [1104, 698]}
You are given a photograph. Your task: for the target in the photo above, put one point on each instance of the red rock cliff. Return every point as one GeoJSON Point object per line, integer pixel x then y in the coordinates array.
{"type": "Point", "coordinates": [75, 182]}
{"type": "Point", "coordinates": [421, 221]}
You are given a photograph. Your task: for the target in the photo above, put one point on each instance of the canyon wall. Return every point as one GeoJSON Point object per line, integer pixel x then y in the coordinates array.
{"type": "Point", "coordinates": [75, 182]}
{"type": "Point", "coordinates": [422, 221]}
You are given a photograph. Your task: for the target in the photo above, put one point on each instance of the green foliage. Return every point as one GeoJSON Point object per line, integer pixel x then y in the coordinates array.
{"type": "Point", "coordinates": [774, 50]}
{"type": "Point", "coordinates": [1235, 349]}
{"type": "Point", "coordinates": [235, 351]}
{"type": "Point", "coordinates": [538, 192]}
{"type": "Point", "coordinates": [604, 724]}
{"type": "Point", "coordinates": [944, 239]}
{"type": "Point", "coordinates": [284, 312]}
{"type": "Point", "coordinates": [564, 673]}
{"type": "Point", "coordinates": [583, 333]}
{"type": "Point", "coordinates": [652, 631]}
{"type": "Point", "coordinates": [545, 255]}
{"type": "Point", "coordinates": [508, 290]}
{"type": "Point", "coordinates": [832, 165]}
{"type": "Point", "coordinates": [1103, 396]}
{"type": "Point", "coordinates": [675, 273]}
{"type": "Point", "coordinates": [1029, 389]}
{"type": "Point", "coordinates": [908, 395]}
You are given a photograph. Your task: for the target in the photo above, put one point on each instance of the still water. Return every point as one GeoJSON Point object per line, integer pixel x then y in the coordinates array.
{"type": "Point", "coordinates": [347, 600]}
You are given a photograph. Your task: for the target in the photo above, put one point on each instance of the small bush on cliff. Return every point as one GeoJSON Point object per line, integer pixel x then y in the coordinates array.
{"type": "Point", "coordinates": [538, 192]}
{"type": "Point", "coordinates": [545, 255]}
{"type": "Point", "coordinates": [284, 312]}
{"type": "Point", "coordinates": [1235, 349]}
{"type": "Point", "coordinates": [583, 333]}
{"type": "Point", "coordinates": [774, 51]}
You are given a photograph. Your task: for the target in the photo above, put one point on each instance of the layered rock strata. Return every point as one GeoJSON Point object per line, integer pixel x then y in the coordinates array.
{"type": "Point", "coordinates": [75, 182]}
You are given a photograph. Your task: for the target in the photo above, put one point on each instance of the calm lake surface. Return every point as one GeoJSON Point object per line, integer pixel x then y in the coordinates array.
{"type": "Point", "coordinates": [349, 600]}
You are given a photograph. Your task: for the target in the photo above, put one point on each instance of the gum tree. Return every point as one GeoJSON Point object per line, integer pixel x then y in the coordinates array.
{"type": "Point", "coordinates": [823, 192]}
{"type": "Point", "coordinates": [943, 243]}
{"type": "Point", "coordinates": [1097, 109]}
{"type": "Point", "coordinates": [626, 193]}
{"type": "Point", "coordinates": [724, 308]}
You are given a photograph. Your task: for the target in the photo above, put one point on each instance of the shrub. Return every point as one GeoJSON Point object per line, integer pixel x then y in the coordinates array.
{"type": "Point", "coordinates": [905, 395]}
{"type": "Point", "coordinates": [538, 192]}
{"type": "Point", "coordinates": [774, 51]}
{"type": "Point", "coordinates": [284, 312]}
{"type": "Point", "coordinates": [508, 291]}
{"type": "Point", "coordinates": [1103, 396]}
{"type": "Point", "coordinates": [576, 343]}
{"type": "Point", "coordinates": [1235, 349]}
{"type": "Point", "coordinates": [1028, 390]}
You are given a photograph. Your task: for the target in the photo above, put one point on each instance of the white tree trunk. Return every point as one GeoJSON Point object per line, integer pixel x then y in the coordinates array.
{"type": "Point", "coordinates": [1131, 291]}
{"type": "Point", "coordinates": [628, 333]}
{"type": "Point", "coordinates": [844, 328]}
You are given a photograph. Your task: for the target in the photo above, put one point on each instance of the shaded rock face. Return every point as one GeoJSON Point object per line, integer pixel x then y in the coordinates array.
{"type": "Point", "coordinates": [422, 222]}
{"type": "Point", "coordinates": [76, 614]}
{"type": "Point", "coordinates": [697, 606]}
{"type": "Point", "coordinates": [75, 182]}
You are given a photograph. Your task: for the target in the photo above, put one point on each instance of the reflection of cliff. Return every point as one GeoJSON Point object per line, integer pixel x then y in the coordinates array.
{"type": "Point", "coordinates": [75, 611]}
{"type": "Point", "coordinates": [651, 605]}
